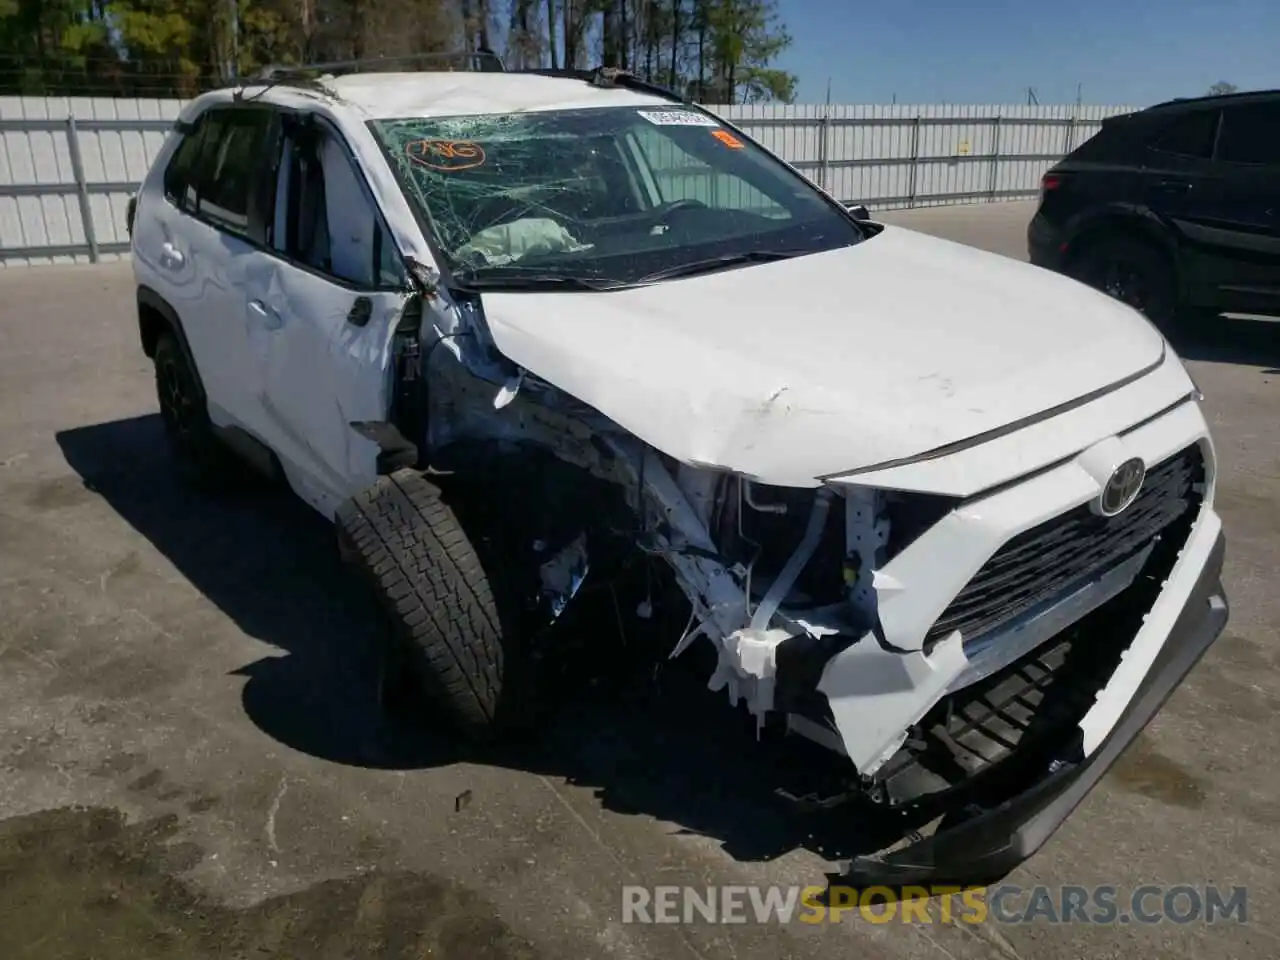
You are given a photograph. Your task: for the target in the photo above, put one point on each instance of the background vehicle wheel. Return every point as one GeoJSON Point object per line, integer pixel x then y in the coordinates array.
{"type": "Point", "coordinates": [1197, 323]}
{"type": "Point", "coordinates": [201, 459]}
{"type": "Point", "coordinates": [451, 628]}
{"type": "Point", "coordinates": [1132, 272]}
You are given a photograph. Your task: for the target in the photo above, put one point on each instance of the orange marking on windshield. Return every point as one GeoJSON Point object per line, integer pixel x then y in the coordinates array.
{"type": "Point", "coordinates": [728, 139]}
{"type": "Point", "coordinates": [445, 155]}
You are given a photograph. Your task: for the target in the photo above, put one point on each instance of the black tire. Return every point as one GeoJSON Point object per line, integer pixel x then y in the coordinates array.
{"type": "Point", "coordinates": [1195, 323]}
{"type": "Point", "coordinates": [1134, 272]}
{"type": "Point", "coordinates": [450, 630]}
{"type": "Point", "coordinates": [201, 459]}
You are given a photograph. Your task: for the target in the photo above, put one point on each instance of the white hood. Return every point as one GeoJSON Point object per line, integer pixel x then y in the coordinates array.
{"type": "Point", "coordinates": [828, 363]}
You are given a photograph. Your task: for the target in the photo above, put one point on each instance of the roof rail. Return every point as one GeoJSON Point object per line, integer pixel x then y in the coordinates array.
{"type": "Point", "coordinates": [1215, 97]}
{"type": "Point", "coordinates": [482, 61]}
{"type": "Point", "coordinates": [608, 77]}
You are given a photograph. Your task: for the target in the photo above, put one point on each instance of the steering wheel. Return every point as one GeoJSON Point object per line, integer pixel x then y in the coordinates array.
{"type": "Point", "coordinates": [673, 206]}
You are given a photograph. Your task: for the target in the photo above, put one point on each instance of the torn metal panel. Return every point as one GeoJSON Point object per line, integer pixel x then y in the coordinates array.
{"type": "Point", "coordinates": [674, 511]}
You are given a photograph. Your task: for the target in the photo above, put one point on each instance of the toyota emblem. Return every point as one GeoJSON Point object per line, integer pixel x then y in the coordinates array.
{"type": "Point", "coordinates": [1122, 487]}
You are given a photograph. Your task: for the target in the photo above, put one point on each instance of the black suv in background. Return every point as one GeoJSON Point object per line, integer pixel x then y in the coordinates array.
{"type": "Point", "coordinates": [1174, 209]}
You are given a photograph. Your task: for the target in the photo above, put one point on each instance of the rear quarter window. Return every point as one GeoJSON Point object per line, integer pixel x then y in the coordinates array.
{"type": "Point", "coordinates": [1119, 141]}
{"type": "Point", "coordinates": [1098, 147]}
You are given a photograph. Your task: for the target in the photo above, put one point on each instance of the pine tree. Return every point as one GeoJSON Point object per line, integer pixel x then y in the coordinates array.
{"type": "Point", "coordinates": [715, 50]}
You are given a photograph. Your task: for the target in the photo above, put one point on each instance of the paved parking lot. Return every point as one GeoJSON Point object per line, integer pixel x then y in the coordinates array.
{"type": "Point", "coordinates": [191, 764]}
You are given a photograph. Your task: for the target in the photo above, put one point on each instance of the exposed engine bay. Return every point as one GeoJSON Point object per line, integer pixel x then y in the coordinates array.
{"type": "Point", "coordinates": [759, 565]}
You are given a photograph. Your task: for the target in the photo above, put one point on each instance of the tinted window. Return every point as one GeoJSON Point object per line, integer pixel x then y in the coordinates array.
{"type": "Point", "coordinates": [1117, 141]}
{"type": "Point", "coordinates": [1190, 135]}
{"type": "Point", "coordinates": [178, 174]}
{"type": "Point", "coordinates": [1250, 134]}
{"type": "Point", "coordinates": [230, 165]}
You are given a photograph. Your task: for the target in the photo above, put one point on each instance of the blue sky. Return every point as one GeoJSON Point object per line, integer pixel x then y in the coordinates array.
{"type": "Point", "coordinates": [989, 51]}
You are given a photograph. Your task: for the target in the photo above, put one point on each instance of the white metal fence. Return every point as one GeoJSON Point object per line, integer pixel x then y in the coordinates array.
{"type": "Point", "coordinates": [68, 165]}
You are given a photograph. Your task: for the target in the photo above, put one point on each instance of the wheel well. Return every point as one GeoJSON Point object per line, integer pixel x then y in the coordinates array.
{"type": "Point", "coordinates": [155, 319]}
{"type": "Point", "coordinates": [1117, 228]}
{"type": "Point", "coordinates": [151, 324]}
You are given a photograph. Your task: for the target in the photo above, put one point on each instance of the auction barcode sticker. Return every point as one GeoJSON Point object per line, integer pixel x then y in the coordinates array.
{"type": "Point", "coordinates": [678, 118]}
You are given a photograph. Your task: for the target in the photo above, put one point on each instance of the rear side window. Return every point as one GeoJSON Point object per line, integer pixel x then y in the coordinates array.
{"type": "Point", "coordinates": [1190, 135]}
{"type": "Point", "coordinates": [214, 173]}
{"type": "Point", "coordinates": [230, 166]}
{"type": "Point", "coordinates": [1251, 134]}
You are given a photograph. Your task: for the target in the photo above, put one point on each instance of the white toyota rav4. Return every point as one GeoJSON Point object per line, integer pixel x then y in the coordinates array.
{"type": "Point", "coordinates": [946, 514]}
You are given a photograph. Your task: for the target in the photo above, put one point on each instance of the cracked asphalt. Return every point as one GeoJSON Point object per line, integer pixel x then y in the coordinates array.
{"type": "Point", "coordinates": [192, 765]}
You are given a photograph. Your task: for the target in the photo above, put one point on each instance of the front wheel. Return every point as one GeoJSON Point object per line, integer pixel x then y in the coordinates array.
{"type": "Point", "coordinates": [451, 629]}
{"type": "Point", "coordinates": [1135, 273]}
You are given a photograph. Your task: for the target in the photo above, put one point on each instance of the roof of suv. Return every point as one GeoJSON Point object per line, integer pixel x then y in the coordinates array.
{"type": "Point", "coordinates": [1172, 108]}
{"type": "Point", "coordinates": [1218, 99]}
{"type": "Point", "coordinates": [384, 96]}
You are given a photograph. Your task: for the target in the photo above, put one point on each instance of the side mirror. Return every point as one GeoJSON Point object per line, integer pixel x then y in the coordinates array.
{"type": "Point", "coordinates": [858, 211]}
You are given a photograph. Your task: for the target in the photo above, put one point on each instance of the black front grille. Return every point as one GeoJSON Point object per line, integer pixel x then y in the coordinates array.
{"type": "Point", "coordinates": [1047, 561]}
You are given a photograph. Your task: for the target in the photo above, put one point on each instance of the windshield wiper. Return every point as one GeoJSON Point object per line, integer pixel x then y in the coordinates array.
{"type": "Point", "coordinates": [475, 280]}
{"type": "Point", "coordinates": [719, 263]}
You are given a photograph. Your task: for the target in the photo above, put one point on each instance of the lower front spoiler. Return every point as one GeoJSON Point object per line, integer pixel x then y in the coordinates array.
{"type": "Point", "coordinates": [986, 847]}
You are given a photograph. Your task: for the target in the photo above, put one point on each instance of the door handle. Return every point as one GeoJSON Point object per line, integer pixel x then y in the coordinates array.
{"type": "Point", "coordinates": [1173, 186]}
{"type": "Point", "coordinates": [171, 255]}
{"type": "Point", "coordinates": [360, 311]}
{"type": "Point", "coordinates": [269, 317]}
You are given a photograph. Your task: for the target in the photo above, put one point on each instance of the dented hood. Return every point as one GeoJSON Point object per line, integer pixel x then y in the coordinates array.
{"type": "Point", "coordinates": [832, 362]}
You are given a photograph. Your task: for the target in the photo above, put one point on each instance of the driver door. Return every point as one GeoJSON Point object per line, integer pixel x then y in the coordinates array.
{"type": "Point", "coordinates": [323, 304]}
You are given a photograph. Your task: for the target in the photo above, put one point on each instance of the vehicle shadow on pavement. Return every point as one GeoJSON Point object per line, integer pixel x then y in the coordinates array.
{"type": "Point", "coordinates": [649, 740]}
{"type": "Point", "coordinates": [1231, 340]}
{"type": "Point", "coordinates": [270, 564]}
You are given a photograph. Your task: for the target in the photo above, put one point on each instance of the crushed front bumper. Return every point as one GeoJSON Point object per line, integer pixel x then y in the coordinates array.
{"type": "Point", "coordinates": [985, 847]}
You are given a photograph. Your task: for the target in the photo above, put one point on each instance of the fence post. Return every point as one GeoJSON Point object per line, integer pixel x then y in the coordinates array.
{"type": "Point", "coordinates": [995, 160]}
{"type": "Point", "coordinates": [1071, 135]}
{"type": "Point", "coordinates": [915, 161]}
{"type": "Point", "coordinates": [824, 140]}
{"type": "Point", "coordinates": [82, 188]}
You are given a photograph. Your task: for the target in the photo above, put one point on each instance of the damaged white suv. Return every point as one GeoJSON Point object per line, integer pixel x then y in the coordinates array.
{"type": "Point", "coordinates": [946, 514]}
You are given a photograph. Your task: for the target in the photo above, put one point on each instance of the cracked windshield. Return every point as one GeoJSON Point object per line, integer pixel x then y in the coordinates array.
{"type": "Point", "coordinates": [612, 195]}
